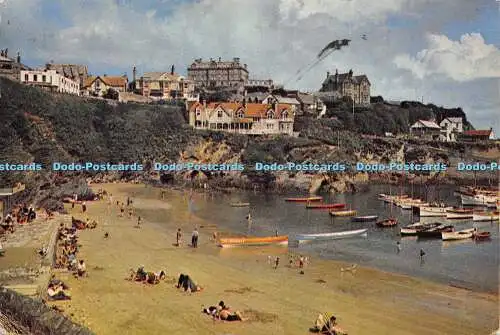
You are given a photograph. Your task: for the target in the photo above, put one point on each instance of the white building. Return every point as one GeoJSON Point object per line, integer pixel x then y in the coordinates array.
{"type": "Point", "coordinates": [427, 130]}
{"type": "Point", "coordinates": [50, 80]}
{"type": "Point", "coordinates": [450, 128]}
{"type": "Point", "coordinates": [278, 99]}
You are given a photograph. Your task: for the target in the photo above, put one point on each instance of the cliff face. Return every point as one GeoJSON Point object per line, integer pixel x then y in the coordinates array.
{"type": "Point", "coordinates": [44, 128]}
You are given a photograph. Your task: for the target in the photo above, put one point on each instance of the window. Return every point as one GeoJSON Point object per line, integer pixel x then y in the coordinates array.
{"type": "Point", "coordinates": [198, 113]}
{"type": "Point", "coordinates": [44, 78]}
{"type": "Point", "coordinates": [97, 84]}
{"type": "Point", "coordinates": [240, 114]}
{"type": "Point", "coordinates": [219, 114]}
{"type": "Point", "coordinates": [284, 115]}
{"type": "Point", "coordinates": [35, 77]}
{"type": "Point", "coordinates": [26, 77]}
{"type": "Point", "coordinates": [270, 114]}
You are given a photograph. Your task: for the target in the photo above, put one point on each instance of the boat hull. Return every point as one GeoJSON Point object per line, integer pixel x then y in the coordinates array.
{"type": "Point", "coordinates": [240, 204]}
{"type": "Point", "coordinates": [412, 230]}
{"type": "Point", "coordinates": [252, 241]}
{"type": "Point", "coordinates": [433, 211]}
{"type": "Point", "coordinates": [477, 200]}
{"type": "Point", "coordinates": [327, 236]}
{"type": "Point", "coordinates": [365, 218]}
{"type": "Point", "coordinates": [437, 233]}
{"type": "Point", "coordinates": [459, 235]}
{"type": "Point", "coordinates": [304, 199]}
{"type": "Point", "coordinates": [458, 216]}
{"type": "Point", "coordinates": [343, 213]}
{"type": "Point", "coordinates": [485, 217]}
{"type": "Point", "coordinates": [325, 206]}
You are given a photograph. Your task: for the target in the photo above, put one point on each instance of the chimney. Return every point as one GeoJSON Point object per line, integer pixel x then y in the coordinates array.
{"type": "Point", "coordinates": [172, 70]}
{"type": "Point", "coordinates": [18, 58]}
{"type": "Point", "coordinates": [244, 102]}
{"type": "Point", "coordinates": [327, 74]}
{"type": "Point", "coordinates": [350, 73]}
{"type": "Point", "coordinates": [134, 73]}
{"type": "Point", "coordinates": [220, 59]}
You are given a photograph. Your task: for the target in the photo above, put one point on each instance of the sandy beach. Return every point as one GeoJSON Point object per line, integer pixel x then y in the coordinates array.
{"type": "Point", "coordinates": [280, 301]}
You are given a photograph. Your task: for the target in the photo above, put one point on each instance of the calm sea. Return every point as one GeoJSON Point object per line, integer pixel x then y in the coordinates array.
{"type": "Point", "coordinates": [469, 264]}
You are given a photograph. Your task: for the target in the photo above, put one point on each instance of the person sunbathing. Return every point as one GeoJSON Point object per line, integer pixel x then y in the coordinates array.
{"type": "Point", "coordinates": [155, 277]}
{"type": "Point", "coordinates": [56, 292]}
{"type": "Point", "coordinates": [187, 284]}
{"type": "Point", "coordinates": [139, 275]}
{"type": "Point", "coordinates": [326, 323]}
{"type": "Point", "coordinates": [81, 269]}
{"type": "Point", "coordinates": [225, 314]}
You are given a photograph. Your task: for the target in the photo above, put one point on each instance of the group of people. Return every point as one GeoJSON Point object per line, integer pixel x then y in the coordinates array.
{"type": "Point", "coordinates": [223, 312]}
{"type": "Point", "coordinates": [147, 277]}
{"type": "Point", "coordinates": [67, 248]}
{"type": "Point", "coordinates": [194, 238]}
{"type": "Point", "coordinates": [22, 214]}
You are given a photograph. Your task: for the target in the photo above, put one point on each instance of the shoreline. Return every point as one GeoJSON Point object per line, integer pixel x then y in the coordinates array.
{"type": "Point", "coordinates": [343, 288]}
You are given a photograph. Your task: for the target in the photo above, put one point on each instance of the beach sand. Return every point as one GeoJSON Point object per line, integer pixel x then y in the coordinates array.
{"type": "Point", "coordinates": [280, 301]}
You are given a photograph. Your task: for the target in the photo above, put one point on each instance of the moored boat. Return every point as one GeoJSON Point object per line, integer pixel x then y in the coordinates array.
{"type": "Point", "coordinates": [333, 235]}
{"type": "Point", "coordinates": [365, 218]}
{"type": "Point", "coordinates": [477, 199]}
{"type": "Point", "coordinates": [457, 235]}
{"type": "Point", "coordinates": [252, 241]}
{"type": "Point", "coordinates": [343, 213]}
{"type": "Point", "coordinates": [391, 222]}
{"type": "Point", "coordinates": [484, 235]}
{"type": "Point", "coordinates": [413, 229]}
{"type": "Point", "coordinates": [325, 206]}
{"type": "Point", "coordinates": [306, 199]}
{"type": "Point", "coordinates": [240, 204]}
{"type": "Point", "coordinates": [459, 213]}
{"type": "Point", "coordinates": [485, 216]}
{"type": "Point", "coordinates": [435, 232]}
{"type": "Point", "coordinates": [433, 211]}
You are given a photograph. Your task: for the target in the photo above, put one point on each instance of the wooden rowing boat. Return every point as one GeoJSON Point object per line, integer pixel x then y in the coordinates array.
{"type": "Point", "coordinates": [391, 222]}
{"type": "Point", "coordinates": [343, 213]}
{"type": "Point", "coordinates": [413, 229]}
{"type": "Point", "coordinates": [457, 235]}
{"type": "Point", "coordinates": [308, 199]}
{"type": "Point", "coordinates": [485, 216]}
{"type": "Point", "coordinates": [334, 235]}
{"type": "Point", "coordinates": [252, 241]}
{"type": "Point", "coordinates": [433, 211]}
{"type": "Point", "coordinates": [365, 218]}
{"type": "Point", "coordinates": [325, 206]}
{"type": "Point", "coordinates": [240, 204]}
{"type": "Point", "coordinates": [484, 235]}
{"type": "Point", "coordinates": [435, 232]}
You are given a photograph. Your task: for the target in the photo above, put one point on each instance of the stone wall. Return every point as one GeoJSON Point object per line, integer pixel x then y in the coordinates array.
{"type": "Point", "coordinates": [36, 316]}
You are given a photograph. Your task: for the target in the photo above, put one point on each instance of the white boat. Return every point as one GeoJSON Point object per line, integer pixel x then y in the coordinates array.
{"type": "Point", "coordinates": [477, 199]}
{"type": "Point", "coordinates": [459, 216]}
{"type": "Point", "coordinates": [327, 236]}
{"type": "Point", "coordinates": [457, 235]}
{"type": "Point", "coordinates": [485, 216]}
{"type": "Point", "coordinates": [416, 227]}
{"type": "Point", "coordinates": [431, 211]}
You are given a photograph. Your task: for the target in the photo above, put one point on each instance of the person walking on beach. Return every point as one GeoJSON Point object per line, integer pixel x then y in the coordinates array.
{"type": "Point", "coordinates": [74, 201]}
{"type": "Point", "coordinates": [422, 254]}
{"type": "Point", "coordinates": [128, 201]}
{"type": "Point", "coordinates": [122, 209]}
{"type": "Point", "coordinates": [138, 221]}
{"type": "Point", "coordinates": [276, 263]}
{"type": "Point", "coordinates": [301, 262]}
{"type": "Point", "coordinates": [194, 238]}
{"type": "Point", "coordinates": [84, 207]}
{"type": "Point", "coordinates": [179, 237]}
{"type": "Point", "coordinates": [398, 246]}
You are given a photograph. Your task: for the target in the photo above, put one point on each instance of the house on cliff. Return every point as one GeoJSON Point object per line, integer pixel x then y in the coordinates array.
{"type": "Point", "coordinates": [477, 135]}
{"type": "Point", "coordinates": [451, 127]}
{"type": "Point", "coordinates": [427, 130]}
{"type": "Point", "coordinates": [347, 85]}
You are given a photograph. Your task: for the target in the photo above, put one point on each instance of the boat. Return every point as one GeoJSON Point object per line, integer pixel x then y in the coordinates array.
{"type": "Point", "coordinates": [240, 204]}
{"type": "Point", "coordinates": [459, 213]}
{"type": "Point", "coordinates": [391, 222]}
{"type": "Point", "coordinates": [413, 229]}
{"type": "Point", "coordinates": [307, 199]}
{"type": "Point", "coordinates": [484, 235]}
{"type": "Point", "coordinates": [252, 241]}
{"type": "Point", "coordinates": [325, 206]}
{"type": "Point", "coordinates": [435, 232]}
{"type": "Point", "coordinates": [457, 235]}
{"type": "Point", "coordinates": [433, 211]}
{"type": "Point", "coordinates": [334, 235]}
{"type": "Point", "coordinates": [343, 213]}
{"type": "Point", "coordinates": [477, 199]}
{"type": "Point", "coordinates": [485, 216]}
{"type": "Point", "coordinates": [365, 218]}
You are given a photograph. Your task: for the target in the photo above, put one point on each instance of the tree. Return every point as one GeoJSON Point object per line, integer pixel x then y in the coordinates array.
{"type": "Point", "coordinates": [111, 94]}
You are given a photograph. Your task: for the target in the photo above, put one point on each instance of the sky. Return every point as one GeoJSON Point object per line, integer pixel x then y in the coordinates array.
{"type": "Point", "coordinates": [444, 52]}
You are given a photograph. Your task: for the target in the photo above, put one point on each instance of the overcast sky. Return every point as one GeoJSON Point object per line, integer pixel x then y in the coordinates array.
{"type": "Point", "coordinates": [446, 51]}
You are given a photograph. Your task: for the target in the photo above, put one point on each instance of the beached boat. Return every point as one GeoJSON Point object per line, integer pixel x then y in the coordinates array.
{"type": "Point", "coordinates": [485, 216]}
{"type": "Point", "coordinates": [252, 241]}
{"type": "Point", "coordinates": [240, 204]}
{"type": "Point", "coordinates": [391, 222]}
{"type": "Point", "coordinates": [414, 228]}
{"type": "Point", "coordinates": [457, 235]}
{"type": "Point", "coordinates": [484, 235]}
{"type": "Point", "coordinates": [334, 235]}
{"type": "Point", "coordinates": [435, 232]}
{"type": "Point", "coordinates": [325, 206]}
{"type": "Point", "coordinates": [365, 218]}
{"type": "Point", "coordinates": [307, 199]}
{"type": "Point", "coordinates": [433, 211]}
{"type": "Point", "coordinates": [343, 213]}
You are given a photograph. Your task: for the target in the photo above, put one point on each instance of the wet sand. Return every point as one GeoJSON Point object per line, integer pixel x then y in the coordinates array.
{"type": "Point", "coordinates": [278, 301]}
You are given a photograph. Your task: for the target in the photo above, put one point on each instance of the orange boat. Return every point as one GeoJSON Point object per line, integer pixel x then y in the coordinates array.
{"type": "Point", "coordinates": [252, 241]}
{"type": "Point", "coordinates": [325, 206]}
{"type": "Point", "coordinates": [308, 199]}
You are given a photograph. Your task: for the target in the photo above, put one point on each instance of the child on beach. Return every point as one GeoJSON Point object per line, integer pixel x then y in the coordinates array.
{"type": "Point", "coordinates": [276, 263]}
{"type": "Point", "coordinates": [194, 238]}
{"type": "Point", "coordinates": [84, 207]}
{"type": "Point", "coordinates": [138, 221]}
{"type": "Point", "coordinates": [179, 237]}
